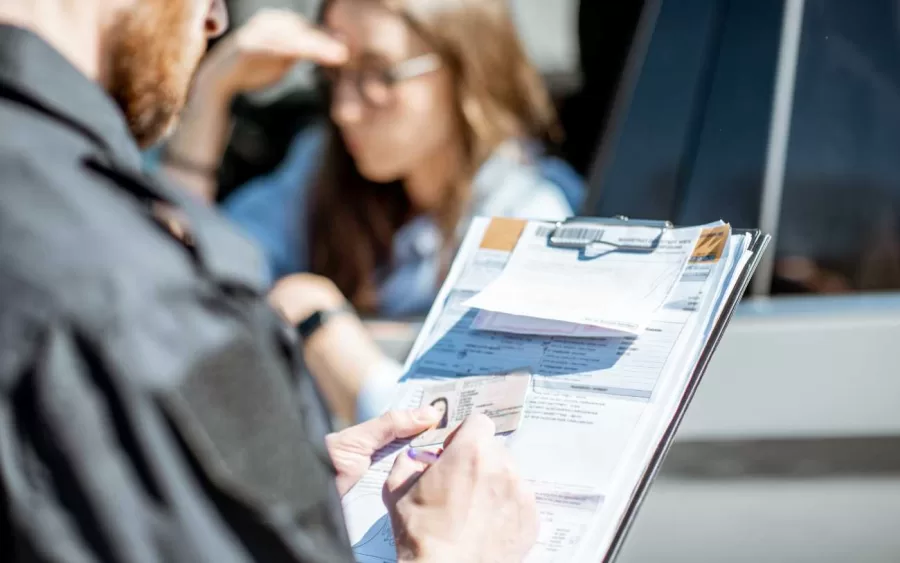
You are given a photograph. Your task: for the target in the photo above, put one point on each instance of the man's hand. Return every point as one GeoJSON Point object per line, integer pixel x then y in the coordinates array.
{"type": "Point", "coordinates": [470, 505]}
{"type": "Point", "coordinates": [351, 450]}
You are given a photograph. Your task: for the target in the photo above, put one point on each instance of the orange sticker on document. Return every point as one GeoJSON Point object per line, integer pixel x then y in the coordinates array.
{"type": "Point", "coordinates": [711, 244]}
{"type": "Point", "coordinates": [500, 397]}
{"type": "Point", "coordinates": [503, 234]}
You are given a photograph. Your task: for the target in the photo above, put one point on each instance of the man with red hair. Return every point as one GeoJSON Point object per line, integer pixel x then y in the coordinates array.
{"type": "Point", "coordinates": [152, 405]}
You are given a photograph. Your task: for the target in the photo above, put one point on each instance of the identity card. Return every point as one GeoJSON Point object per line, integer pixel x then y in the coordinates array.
{"type": "Point", "coordinates": [500, 397]}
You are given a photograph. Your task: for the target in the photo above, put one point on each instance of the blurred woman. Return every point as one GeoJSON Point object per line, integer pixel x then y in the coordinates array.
{"type": "Point", "coordinates": [435, 115]}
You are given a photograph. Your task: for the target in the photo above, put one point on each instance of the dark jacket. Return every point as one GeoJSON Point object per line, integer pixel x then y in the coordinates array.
{"type": "Point", "coordinates": [152, 407]}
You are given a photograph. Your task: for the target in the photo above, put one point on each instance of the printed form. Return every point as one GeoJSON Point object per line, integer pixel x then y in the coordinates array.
{"type": "Point", "coordinates": [598, 403]}
{"type": "Point", "coordinates": [612, 289]}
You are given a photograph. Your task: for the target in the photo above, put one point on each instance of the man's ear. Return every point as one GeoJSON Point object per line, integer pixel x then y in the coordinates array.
{"type": "Point", "coordinates": [216, 19]}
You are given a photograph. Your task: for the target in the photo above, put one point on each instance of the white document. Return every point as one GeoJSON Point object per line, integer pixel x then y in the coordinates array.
{"type": "Point", "coordinates": [614, 290]}
{"type": "Point", "coordinates": [518, 324]}
{"type": "Point", "coordinates": [686, 296]}
{"type": "Point", "coordinates": [669, 394]}
{"type": "Point", "coordinates": [598, 406]}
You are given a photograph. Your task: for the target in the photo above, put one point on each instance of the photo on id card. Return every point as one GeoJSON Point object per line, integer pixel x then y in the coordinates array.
{"type": "Point", "coordinates": [500, 397]}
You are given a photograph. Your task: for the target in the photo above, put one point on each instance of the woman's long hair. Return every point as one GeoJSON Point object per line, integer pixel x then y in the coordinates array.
{"type": "Point", "coordinates": [499, 95]}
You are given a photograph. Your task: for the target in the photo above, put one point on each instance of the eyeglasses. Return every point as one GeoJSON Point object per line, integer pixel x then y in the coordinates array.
{"type": "Point", "coordinates": [374, 85]}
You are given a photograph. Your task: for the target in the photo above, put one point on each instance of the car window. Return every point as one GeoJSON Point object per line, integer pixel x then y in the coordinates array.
{"type": "Point", "coordinates": [690, 142]}
{"type": "Point", "coordinates": [840, 217]}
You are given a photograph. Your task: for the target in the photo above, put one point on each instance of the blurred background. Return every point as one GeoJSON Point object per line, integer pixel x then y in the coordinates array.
{"type": "Point", "coordinates": [779, 114]}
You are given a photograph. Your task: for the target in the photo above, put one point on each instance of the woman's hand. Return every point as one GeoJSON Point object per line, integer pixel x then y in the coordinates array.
{"type": "Point", "coordinates": [299, 295]}
{"type": "Point", "coordinates": [255, 56]}
{"type": "Point", "coordinates": [340, 355]}
{"type": "Point", "coordinates": [260, 53]}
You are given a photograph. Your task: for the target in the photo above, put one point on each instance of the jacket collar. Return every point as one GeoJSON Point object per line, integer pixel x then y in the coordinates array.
{"type": "Point", "coordinates": [32, 72]}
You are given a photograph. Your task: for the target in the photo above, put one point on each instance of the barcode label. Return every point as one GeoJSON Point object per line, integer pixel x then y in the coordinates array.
{"type": "Point", "coordinates": [578, 234]}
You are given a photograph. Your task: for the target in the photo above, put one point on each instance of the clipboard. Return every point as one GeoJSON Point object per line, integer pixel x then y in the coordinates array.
{"type": "Point", "coordinates": [502, 235]}
{"type": "Point", "coordinates": [580, 232]}
{"type": "Point", "coordinates": [758, 244]}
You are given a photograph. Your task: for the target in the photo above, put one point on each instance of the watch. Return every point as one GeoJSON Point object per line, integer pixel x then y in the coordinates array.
{"type": "Point", "coordinates": [308, 326]}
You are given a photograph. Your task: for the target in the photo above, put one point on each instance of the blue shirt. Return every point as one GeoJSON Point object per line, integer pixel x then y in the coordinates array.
{"type": "Point", "coordinates": [272, 210]}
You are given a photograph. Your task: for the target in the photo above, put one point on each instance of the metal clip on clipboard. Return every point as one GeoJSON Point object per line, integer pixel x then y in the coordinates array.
{"type": "Point", "coordinates": [580, 232]}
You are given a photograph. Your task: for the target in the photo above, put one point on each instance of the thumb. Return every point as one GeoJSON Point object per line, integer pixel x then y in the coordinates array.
{"type": "Point", "coordinates": [394, 425]}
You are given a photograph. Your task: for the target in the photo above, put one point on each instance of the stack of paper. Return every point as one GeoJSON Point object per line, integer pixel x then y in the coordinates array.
{"type": "Point", "coordinates": [613, 341]}
{"type": "Point", "coordinates": [615, 290]}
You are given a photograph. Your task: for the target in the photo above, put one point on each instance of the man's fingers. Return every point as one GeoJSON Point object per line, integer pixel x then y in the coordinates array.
{"type": "Point", "coordinates": [394, 425]}
{"type": "Point", "coordinates": [450, 437]}
{"type": "Point", "coordinates": [411, 422]}
{"type": "Point", "coordinates": [469, 454]}
{"type": "Point", "coordinates": [403, 475]}
{"type": "Point", "coordinates": [474, 429]}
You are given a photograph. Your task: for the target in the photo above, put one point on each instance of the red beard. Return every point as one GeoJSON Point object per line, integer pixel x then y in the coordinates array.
{"type": "Point", "coordinates": [153, 55]}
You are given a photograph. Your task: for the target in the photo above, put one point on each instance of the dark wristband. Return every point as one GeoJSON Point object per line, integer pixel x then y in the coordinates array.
{"type": "Point", "coordinates": [308, 326]}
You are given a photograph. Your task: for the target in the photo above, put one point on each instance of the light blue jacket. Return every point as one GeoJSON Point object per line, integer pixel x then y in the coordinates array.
{"type": "Point", "coordinates": [272, 210]}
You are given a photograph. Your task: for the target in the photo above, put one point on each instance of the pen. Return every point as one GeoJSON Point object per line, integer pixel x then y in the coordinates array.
{"type": "Point", "coordinates": [424, 456]}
